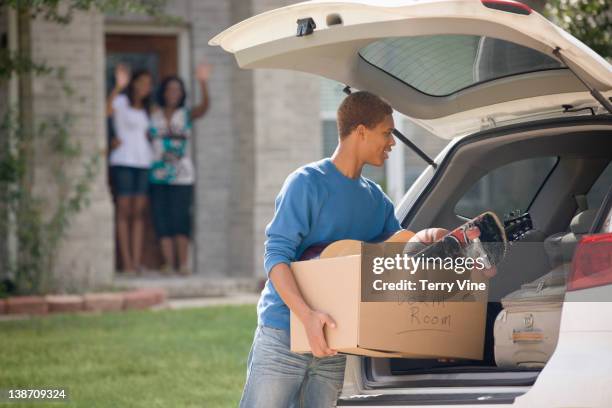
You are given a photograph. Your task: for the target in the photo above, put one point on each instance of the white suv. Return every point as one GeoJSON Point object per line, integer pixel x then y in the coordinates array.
{"type": "Point", "coordinates": [527, 107]}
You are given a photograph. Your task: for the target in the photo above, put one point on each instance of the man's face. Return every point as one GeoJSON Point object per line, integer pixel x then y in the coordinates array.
{"type": "Point", "coordinates": [376, 143]}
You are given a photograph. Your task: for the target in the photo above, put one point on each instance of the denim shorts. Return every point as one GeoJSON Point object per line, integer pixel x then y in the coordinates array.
{"type": "Point", "coordinates": [128, 181]}
{"type": "Point", "coordinates": [279, 378]}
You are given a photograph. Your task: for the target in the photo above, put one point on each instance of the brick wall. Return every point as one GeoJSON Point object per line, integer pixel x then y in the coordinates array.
{"type": "Point", "coordinates": [243, 182]}
{"type": "Point", "coordinates": [85, 258]}
{"type": "Point", "coordinates": [288, 133]}
{"type": "Point", "coordinates": [257, 131]}
{"type": "Point", "coordinates": [215, 141]}
{"type": "Point", "coordinates": [260, 127]}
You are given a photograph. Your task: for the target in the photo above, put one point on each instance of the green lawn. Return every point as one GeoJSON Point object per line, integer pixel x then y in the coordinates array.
{"type": "Point", "coordinates": [170, 358]}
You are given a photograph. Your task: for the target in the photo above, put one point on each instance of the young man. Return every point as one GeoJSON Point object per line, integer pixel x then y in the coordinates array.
{"type": "Point", "coordinates": [320, 202]}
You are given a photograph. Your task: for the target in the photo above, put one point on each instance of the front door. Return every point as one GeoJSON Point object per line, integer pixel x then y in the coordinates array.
{"type": "Point", "coordinates": [158, 55]}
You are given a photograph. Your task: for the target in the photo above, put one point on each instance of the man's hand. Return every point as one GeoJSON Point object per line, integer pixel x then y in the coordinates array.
{"type": "Point", "coordinates": [487, 273]}
{"type": "Point", "coordinates": [313, 320]}
{"type": "Point", "coordinates": [472, 234]}
{"type": "Point", "coordinates": [314, 323]}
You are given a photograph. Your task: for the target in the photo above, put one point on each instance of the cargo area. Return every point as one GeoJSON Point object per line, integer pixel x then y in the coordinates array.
{"type": "Point", "coordinates": [525, 304]}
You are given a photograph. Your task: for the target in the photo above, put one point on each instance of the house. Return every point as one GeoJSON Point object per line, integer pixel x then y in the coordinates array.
{"type": "Point", "coordinates": [261, 125]}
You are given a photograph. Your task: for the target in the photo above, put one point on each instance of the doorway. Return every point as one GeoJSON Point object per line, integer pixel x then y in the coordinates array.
{"type": "Point", "coordinates": [156, 53]}
{"type": "Point", "coordinates": [159, 55]}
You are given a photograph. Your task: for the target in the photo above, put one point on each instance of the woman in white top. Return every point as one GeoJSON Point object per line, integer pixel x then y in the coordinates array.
{"type": "Point", "coordinates": [130, 160]}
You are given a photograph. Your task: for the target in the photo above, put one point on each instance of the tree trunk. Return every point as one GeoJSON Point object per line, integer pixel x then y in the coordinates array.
{"type": "Point", "coordinates": [4, 151]}
{"type": "Point", "coordinates": [25, 141]}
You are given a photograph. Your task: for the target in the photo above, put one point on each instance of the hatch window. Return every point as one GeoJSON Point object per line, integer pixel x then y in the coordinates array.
{"type": "Point", "coordinates": [441, 65]}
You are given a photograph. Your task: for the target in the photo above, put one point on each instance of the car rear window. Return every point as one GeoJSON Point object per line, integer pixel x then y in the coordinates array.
{"type": "Point", "coordinates": [441, 65]}
{"type": "Point", "coordinates": [509, 188]}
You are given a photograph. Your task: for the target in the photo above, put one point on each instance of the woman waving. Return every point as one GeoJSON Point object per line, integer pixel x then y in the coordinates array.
{"type": "Point", "coordinates": [172, 173]}
{"type": "Point", "coordinates": [130, 160]}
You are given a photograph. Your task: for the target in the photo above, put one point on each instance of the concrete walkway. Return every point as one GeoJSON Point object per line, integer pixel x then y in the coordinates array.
{"type": "Point", "coordinates": [237, 299]}
{"type": "Point", "coordinates": [194, 286]}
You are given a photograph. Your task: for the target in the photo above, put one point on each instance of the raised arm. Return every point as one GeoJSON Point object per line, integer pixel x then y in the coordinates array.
{"type": "Point", "coordinates": [202, 75]}
{"type": "Point", "coordinates": [122, 78]}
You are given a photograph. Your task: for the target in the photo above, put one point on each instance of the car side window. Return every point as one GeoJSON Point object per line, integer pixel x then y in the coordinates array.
{"type": "Point", "coordinates": [508, 188]}
{"type": "Point", "coordinates": [599, 189]}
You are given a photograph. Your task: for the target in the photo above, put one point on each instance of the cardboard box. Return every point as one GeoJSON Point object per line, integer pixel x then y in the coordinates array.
{"type": "Point", "coordinates": [449, 329]}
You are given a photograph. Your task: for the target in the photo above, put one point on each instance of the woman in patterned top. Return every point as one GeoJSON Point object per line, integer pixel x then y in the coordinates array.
{"type": "Point", "coordinates": [172, 173]}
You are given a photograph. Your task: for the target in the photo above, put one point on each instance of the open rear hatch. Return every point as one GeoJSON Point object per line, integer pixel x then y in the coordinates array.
{"type": "Point", "coordinates": [454, 66]}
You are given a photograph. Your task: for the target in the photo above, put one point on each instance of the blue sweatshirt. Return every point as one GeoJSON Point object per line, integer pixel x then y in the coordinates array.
{"type": "Point", "coordinates": [318, 204]}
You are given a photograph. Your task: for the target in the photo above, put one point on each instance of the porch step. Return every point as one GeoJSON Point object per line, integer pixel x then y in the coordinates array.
{"type": "Point", "coordinates": [189, 286]}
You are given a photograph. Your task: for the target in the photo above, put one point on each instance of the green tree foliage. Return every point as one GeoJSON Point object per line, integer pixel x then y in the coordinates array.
{"type": "Point", "coordinates": [23, 214]}
{"type": "Point", "coordinates": [61, 11]}
{"type": "Point", "coordinates": [588, 20]}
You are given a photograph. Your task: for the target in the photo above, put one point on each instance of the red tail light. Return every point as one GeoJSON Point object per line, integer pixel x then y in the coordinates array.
{"type": "Point", "coordinates": [592, 262]}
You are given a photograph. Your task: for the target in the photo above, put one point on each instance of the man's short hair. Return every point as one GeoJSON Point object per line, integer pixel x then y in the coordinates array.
{"type": "Point", "coordinates": [361, 108]}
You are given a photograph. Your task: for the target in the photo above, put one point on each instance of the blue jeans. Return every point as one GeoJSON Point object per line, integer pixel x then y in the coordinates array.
{"type": "Point", "coordinates": [278, 378]}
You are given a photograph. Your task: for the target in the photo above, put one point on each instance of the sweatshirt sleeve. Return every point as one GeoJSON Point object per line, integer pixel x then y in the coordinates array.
{"type": "Point", "coordinates": [292, 221]}
{"type": "Point", "coordinates": [392, 225]}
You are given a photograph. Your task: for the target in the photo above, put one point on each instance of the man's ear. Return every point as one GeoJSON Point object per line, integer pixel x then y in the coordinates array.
{"type": "Point", "coordinates": [361, 132]}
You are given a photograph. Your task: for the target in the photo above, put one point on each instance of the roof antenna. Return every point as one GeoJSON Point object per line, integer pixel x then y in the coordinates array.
{"type": "Point", "coordinates": [404, 139]}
